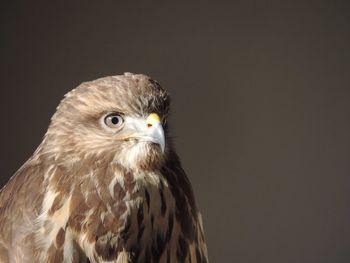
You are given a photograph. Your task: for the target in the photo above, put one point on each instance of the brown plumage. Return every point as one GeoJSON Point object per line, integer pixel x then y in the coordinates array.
{"type": "Point", "coordinates": [105, 184]}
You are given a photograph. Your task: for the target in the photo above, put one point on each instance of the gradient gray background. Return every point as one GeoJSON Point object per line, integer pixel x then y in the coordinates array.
{"type": "Point", "coordinates": [260, 110]}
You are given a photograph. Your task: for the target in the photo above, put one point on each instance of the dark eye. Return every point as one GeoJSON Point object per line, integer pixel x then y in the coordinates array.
{"type": "Point", "coordinates": [113, 120]}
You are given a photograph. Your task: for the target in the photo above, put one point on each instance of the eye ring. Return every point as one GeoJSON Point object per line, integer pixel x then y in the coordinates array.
{"type": "Point", "coordinates": [113, 120]}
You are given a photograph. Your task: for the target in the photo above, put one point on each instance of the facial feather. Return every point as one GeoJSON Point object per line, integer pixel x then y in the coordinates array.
{"type": "Point", "coordinates": [76, 131]}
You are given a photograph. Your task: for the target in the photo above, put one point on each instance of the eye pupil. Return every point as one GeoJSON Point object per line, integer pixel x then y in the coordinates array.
{"type": "Point", "coordinates": [115, 120]}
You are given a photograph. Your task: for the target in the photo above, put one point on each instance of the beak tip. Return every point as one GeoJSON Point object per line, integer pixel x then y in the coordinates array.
{"type": "Point", "coordinates": [162, 147]}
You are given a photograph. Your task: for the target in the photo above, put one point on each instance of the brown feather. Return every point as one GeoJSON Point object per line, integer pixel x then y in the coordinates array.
{"type": "Point", "coordinates": [89, 194]}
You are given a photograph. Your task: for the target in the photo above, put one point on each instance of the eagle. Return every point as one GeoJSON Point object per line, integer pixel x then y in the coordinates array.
{"type": "Point", "coordinates": [105, 184]}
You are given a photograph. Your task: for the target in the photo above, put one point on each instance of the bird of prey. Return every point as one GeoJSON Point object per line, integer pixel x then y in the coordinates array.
{"type": "Point", "coordinates": [105, 184]}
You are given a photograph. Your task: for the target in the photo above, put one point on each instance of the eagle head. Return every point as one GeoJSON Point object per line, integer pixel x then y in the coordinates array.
{"type": "Point", "coordinates": [121, 119]}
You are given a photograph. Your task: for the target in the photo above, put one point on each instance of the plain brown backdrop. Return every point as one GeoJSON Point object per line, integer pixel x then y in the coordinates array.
{"type": "Point", "coordinates": [260, 112]}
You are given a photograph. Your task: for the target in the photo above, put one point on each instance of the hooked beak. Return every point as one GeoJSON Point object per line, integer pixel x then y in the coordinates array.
{"type": "Point", "coordinates": [155, 131]}
{"type": "Point", "coordinates": [147, 130]}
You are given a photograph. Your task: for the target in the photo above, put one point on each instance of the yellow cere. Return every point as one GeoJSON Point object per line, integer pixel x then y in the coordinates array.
{"type": "Point", "coordinates": [153, 118]}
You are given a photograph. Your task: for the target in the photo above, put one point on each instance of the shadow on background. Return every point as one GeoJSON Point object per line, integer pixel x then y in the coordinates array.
{"type": "Point", "coordinates": [260, 107]}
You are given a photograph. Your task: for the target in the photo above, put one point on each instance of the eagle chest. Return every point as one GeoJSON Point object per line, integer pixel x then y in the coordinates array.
{"type": "Point", "coordinates": [149, 226]}
{"type": "Point", "coordinates": [131, 214]}
{"type": "Point", "coordinates": [143, 209]}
